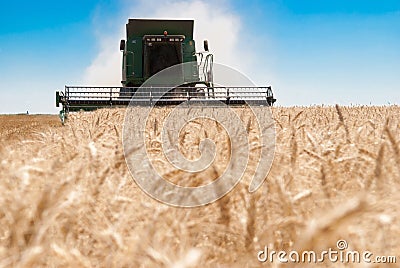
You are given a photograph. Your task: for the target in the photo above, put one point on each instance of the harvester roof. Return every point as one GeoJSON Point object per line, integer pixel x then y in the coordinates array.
{"type": "Point", "coordinates": [142, 27]}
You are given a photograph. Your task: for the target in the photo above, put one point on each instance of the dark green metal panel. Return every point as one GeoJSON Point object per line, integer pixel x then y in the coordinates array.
{"type": "Point", "coordinates": [189, 51]}
{"type": "Point", "coordinates": [134, 59]}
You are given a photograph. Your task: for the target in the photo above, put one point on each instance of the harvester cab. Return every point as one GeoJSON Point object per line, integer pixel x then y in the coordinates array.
{"type": "Point", "coordinates": [152, 46]}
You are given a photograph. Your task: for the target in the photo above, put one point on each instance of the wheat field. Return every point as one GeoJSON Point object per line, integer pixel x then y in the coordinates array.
{"type": "Point", "coordinates": [68, 200]}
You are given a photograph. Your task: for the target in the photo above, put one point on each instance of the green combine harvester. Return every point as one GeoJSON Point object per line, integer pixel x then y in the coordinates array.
{"type": "Point", "coordinates": [150, 47]}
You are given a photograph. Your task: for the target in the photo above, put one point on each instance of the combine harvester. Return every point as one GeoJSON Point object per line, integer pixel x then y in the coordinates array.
{"type": "Point", "coordinates": [150, 47]}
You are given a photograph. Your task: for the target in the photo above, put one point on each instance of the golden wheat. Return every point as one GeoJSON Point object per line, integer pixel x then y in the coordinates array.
{"type": "Point", "coordinates": [67, 198]}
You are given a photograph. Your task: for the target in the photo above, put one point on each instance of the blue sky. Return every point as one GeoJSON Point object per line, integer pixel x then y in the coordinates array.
{"type": "Point", "coordinates": [310, 51]}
